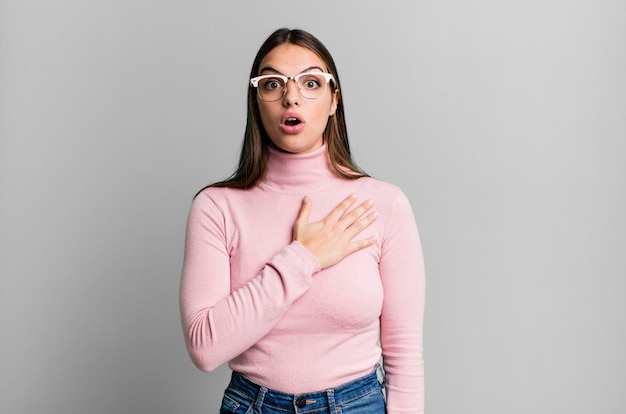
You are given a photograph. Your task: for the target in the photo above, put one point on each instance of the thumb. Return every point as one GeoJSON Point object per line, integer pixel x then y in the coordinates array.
{"type": "Point", "coordinates": [305, 211]}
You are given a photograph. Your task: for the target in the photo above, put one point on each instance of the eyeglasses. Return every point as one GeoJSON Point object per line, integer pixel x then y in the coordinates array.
{"type": "Point", "coordinates": [311, 85]}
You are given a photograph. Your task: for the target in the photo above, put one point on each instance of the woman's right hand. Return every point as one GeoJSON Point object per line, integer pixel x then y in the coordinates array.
{"type": "Point", "coordinates": [330, 239]}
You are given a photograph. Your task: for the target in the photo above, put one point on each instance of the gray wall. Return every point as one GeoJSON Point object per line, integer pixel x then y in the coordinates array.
{"type": "Point", "coordinates": [504, 122]}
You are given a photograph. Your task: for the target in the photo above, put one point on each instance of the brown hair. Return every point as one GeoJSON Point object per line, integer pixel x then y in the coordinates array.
{"type": "Point", "coordinates": [254, 152]}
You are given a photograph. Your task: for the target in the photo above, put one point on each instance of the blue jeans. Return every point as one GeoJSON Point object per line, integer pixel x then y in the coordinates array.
{"type": "Point", "coordinates": [362, 396]}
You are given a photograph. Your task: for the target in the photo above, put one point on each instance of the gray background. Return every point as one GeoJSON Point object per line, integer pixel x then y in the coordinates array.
{"type": "Point", "coordinates": [503, 121]}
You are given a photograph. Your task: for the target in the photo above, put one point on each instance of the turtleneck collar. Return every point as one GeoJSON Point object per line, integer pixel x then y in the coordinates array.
{"type": "Point", "coordinates": [298, 173]}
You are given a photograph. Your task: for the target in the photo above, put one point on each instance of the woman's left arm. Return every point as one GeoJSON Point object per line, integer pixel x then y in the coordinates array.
{"type": "Point", "coordinates": [401, 321]}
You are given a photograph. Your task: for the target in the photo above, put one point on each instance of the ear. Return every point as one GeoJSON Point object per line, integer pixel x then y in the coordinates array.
{"type": "Point", "coordinates": [333, 104]}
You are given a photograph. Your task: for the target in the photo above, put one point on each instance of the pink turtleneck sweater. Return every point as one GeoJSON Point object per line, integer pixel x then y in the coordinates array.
{"type": "Point", "coordinates": [255, 298]}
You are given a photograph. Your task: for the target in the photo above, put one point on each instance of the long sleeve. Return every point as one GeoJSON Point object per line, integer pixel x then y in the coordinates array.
{"type": "Point", "coordinates": [219, 324]}
{"type": "Point", "coordinates": [402, 272]}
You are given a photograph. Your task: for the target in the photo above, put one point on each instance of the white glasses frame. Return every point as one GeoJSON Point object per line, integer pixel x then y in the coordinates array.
{"type": "Point", "coordinates": [255, 83]}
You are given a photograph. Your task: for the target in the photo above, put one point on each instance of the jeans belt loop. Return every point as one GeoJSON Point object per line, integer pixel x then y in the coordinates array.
{"type": "Point", "coordinates": [330, 395]}
{"type": "Point", "coordinates": [259, 399]}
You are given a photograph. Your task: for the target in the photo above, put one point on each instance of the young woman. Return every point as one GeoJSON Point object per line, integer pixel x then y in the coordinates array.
{"type": "Point", "coordinates": [301, 271]}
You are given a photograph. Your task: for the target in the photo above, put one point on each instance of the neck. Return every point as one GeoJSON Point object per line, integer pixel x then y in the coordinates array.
{"type": "Point", "coordinates": [299, 172]}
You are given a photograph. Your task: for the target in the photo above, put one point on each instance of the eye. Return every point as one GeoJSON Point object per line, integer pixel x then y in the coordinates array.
{"type": "Point", "coordinates": [311, 82]}
{"type": "Point", "coordinates": [271, 84]}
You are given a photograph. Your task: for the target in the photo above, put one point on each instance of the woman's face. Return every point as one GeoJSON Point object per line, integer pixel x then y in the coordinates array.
{"type": "Point", "coordinates": [293, 123]}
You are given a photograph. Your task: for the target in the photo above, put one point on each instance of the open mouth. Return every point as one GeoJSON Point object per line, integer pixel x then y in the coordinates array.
{"type": "Point", "coordinates": [292, 121]}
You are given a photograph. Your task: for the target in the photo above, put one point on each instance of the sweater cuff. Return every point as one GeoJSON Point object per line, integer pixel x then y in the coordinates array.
{"type": "Point", "coordinates": [308, 259]}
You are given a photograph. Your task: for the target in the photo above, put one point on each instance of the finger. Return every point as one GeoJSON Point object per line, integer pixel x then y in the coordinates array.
{"type": "Point", "coordinates": [341, 208]}
{"type": "Point", "coordinates": [360, 225]}
{"type": "Point", "coordinates": [305, 211]}
{"type": "Point", "coordinates": [353, 215]}
{"type": "Point", "coordinates": [360, 244]}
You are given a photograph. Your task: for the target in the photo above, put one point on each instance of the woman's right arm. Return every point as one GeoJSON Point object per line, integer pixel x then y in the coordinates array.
{"type": "Point", "coordinates": [220, 325]}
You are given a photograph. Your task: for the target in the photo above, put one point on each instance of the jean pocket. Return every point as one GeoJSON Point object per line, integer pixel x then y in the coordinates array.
{"type": "Point", "coordinates": [235, 404]}
{"type": "Point", "coordinates": [372, 402]}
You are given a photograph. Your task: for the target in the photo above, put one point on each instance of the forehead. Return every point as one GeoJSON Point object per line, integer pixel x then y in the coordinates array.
{"type": "Point", "coordinates": [290, 59]}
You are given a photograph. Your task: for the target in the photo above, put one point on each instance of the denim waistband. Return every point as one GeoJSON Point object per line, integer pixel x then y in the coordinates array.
{"type": "Point", "coordinates": [261, 396]}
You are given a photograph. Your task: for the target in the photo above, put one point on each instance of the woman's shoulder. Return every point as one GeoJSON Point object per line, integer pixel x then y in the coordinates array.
{"type": "Point", "coordinates": [381, 187]}
{"type": "Point", "coordinates": [386, 195]}
{"type": "Point", "coordinates": [217, 196]}
{"type": "Point", "coordinates": [220, 191]}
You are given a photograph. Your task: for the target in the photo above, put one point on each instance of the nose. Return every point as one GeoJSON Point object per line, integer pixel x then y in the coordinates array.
{"type": "Point", "coordinates": [292, 96]}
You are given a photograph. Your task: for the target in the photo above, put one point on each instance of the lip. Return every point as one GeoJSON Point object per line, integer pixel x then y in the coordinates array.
{"type": "Point", "coordinates": [292, 129]}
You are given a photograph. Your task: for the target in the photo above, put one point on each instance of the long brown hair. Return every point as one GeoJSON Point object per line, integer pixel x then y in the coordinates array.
{"type": "Point", "coordinates": [254, 152]}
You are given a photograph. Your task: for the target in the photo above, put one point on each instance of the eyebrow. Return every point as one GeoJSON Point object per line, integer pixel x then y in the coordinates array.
{"type": "Point", "coordinates": [271, 69]}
